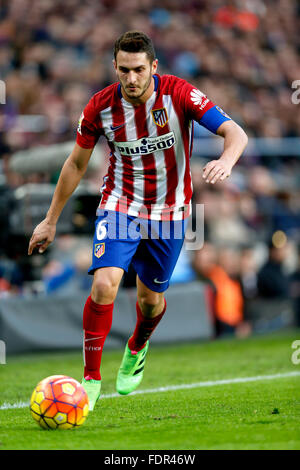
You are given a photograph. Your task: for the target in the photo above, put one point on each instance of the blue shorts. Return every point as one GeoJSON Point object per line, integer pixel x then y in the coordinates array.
{"type": "Point", "coordinates": [152, 246]}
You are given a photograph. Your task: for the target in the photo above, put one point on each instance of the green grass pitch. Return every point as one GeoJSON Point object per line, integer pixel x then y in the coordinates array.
{"type": "Point", "coordinates": [259, 414]}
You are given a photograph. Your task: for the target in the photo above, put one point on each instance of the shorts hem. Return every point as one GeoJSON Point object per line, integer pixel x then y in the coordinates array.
{"type": "Point", "coordinates": [92, 269]}
{"type": "Point", "coordinates": [157, 289]}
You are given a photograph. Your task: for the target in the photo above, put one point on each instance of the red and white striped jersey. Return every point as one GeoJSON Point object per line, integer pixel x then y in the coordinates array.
{"type": "Point", "coordinates": [151, 144]}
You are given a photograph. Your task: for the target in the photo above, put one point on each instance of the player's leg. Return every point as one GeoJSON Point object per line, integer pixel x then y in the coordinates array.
{"type": "Point", "coordinates": [97, 317]}
{"type": "Point", "coordinates": [112, 253]}
{"type": "Point", "coordinates": [97, 320]}
{"type": "Point", "coordinates": [154, 262]}
{"type": "Point", "coordinates": [150, 308]}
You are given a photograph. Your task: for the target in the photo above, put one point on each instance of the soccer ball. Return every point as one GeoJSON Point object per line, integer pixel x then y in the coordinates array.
{"type": "Point", "coordinates": [59, 402]}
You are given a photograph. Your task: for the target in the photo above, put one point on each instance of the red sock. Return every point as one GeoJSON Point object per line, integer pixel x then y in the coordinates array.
{"type": "Point", "coordinates": [97, 320]}
{"type": "Point", "coordinates": [143, 329]}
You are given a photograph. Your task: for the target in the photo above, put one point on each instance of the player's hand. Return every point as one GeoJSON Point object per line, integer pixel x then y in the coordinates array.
{"type": "Point", "coordinates": [42, 236]}
{"type": "Point", "coordinates": [216, 170]}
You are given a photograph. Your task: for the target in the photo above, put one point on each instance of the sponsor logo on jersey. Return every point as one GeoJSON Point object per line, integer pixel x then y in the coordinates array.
{"type": "Point", "coordinates": [199, 98]}
{"type": "Point", "coordinates": [79, 123]}
{"type": "Point", "coordinates": [160, 116]}
{"type": "Point", "coordinates": [147, 145]}
{"type": "Point", "coordinates": [99, 250]}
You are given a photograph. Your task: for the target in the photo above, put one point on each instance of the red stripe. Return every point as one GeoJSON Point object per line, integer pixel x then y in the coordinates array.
{"type": "Point", "coordinates": [148, 161]}
{"type": "Point", "coordinates": [110, 177]}
{"type": "Point", "coordinates": [105, 98]}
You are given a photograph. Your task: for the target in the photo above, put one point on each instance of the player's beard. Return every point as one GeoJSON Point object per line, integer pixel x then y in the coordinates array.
{"type": "Point", "coordinates": [139, 92]}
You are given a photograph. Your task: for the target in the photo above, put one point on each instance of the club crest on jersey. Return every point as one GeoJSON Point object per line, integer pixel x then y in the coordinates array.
{"type": "Point", "coordinates": [99, 250]}
{"type": "Point", "coordinates": [160, 116]}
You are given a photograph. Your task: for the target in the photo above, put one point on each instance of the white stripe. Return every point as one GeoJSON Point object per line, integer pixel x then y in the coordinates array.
{"type": "Point", "coordinates": [172, 388]}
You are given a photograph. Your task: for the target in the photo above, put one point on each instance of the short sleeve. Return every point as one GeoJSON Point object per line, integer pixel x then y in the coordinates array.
{"type": "Point", "coordinates": [200, 108]}
{"type": "Point", "coordinates": [89, 126]}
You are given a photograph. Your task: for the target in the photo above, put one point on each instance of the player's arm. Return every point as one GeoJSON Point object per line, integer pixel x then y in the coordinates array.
{"type": "Point", "coordinates": [73, 170]}
{"type": "Point", "coordinates": [235, 141]}
{"type": "Point", "coordinates": [201, 109]}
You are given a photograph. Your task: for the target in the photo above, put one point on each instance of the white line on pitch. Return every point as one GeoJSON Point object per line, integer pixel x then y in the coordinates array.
{"type": "Point", "coordinates": [170, 388]}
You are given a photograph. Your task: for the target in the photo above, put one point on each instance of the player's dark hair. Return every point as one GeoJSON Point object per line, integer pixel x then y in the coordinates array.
{"type": "Point", "coordinates": [135, 41]}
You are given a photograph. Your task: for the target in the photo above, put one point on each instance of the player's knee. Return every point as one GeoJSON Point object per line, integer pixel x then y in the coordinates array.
{"type": "Point", "coordinates": [104, 290]}
{"type": "Point", "coordinates": [150, 305]}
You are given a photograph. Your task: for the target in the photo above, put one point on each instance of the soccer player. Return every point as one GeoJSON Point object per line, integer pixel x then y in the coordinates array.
{"type": "Point", "coordinates": [147, 120]}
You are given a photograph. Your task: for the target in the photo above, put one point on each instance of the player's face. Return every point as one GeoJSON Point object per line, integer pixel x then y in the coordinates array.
{"type": "Point", "coordinates": [134, 72]}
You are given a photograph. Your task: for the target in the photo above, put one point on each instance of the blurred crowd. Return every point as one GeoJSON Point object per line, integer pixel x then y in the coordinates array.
{"type": "Point", "coordinates": [244, 55]}
{"type": "Point", "coordinates": [250, 255]}
{"type": "Point", "coordinates": [54, 54]}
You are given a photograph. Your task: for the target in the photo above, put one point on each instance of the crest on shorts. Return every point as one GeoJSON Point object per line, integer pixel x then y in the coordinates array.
{"type": "Point", "coordinates": [160, 116]}
{"type": "Point", "coordinates": [99, 250]}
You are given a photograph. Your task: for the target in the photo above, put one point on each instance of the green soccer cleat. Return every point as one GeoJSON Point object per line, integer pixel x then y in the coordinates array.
{"type": "Point", "coordinates": [93, 389]}
{"type": "Point", "coordinates": [131, 370]}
